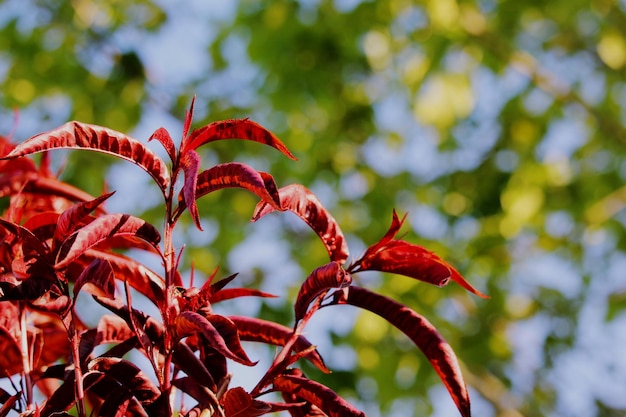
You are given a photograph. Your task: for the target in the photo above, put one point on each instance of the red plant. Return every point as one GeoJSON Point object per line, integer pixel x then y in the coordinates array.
{"type": "Point", "coordinates": [58, 241]}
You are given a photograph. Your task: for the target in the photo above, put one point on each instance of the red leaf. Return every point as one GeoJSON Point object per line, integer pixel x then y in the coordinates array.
{"type": "Point", "coordinates": [188, 118]}
{"type": "Point", "coordinates": [164, 138]}
{"type": "Point", "coordinates": [414, 261]}
{"type": "Point", "coordinates": [71, 219]}
{"type": "Point", "coordinates": [191, 164]}
{"type": "Point", "coordinates": [43, 225]}
{"type": "Point", "coordinates": [99, 278]}
{"type": "Point", "coordinates": [76, 135]}
{"type": "Point", "coordinates": [306, 205]}
{"type": "Point", "coordinates": [238, 175]}
{"type": "Point", "coordinates": [189, 363]}
{"type": "Point", "coordinates": [458, 278]}
{"type": "Point", "coordinates": [7, 407]}
{"type": "Point", "coordinates": [423, 334]}
{"type": "Point", "coordinates": [258, 330]}
{"type": "Point", "coordinates": [396, 224]}
{"type": "Point", "coordinates": [238, 403]}
{"type": "Point", "coordinates": [234, 129]}
{"type": "Point", "coordinates": [129, 376]}
{"type": "Point", "coordinates": [28, 239]}
{"type": "Point", "coordinates": [189, 322]}
{"type": "Point", "coordinates": [52, 186]}
{"type": "Point", "coordinates": [230, 293]}
{"type": "Point", "coordinates": [144, 280]}
{"type": "Point", "coordinates": [316, 394]}
{"type": "Point", "coordinates": [404, 258]}
{"type": "Point", "coordinates": [400, 257]}
{"type": "Point", "coordinates": [322, 279]}
{"type": "Point", "coordinates": [197, 391]}
{"type": "Point", "coordinates": [11, 358]}
{"type": "Point", "coordinates": [101, 229]}
{"type": "Point", "coordinates": [112, 329]}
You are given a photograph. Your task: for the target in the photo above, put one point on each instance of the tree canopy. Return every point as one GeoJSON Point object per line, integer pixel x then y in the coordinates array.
{"type": "Point", "coordinates": [497, 126]}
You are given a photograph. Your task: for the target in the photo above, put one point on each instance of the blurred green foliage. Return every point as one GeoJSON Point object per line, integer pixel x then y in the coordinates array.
{"type": "Point", "coordinates": [498, 126]}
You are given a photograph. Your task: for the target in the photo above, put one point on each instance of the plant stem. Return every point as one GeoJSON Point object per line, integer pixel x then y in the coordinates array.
{"type": "Point", "coordinates": [279, 362]}
{"type": "Point", "coordinates": [26, 357]}
{"type": "Point", "coordinates": [78, 372]}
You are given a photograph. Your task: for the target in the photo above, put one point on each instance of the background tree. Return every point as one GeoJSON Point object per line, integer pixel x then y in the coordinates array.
{"type": "Point", "coordinates": [495, 125]}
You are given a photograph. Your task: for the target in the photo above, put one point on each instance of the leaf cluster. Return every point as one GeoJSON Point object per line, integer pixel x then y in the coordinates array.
{"type": "Point", "coordinates": [58, 241]}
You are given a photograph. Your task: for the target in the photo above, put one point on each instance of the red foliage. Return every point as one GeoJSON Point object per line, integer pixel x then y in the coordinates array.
{"type": "Point", "coordinates": [58, 241]}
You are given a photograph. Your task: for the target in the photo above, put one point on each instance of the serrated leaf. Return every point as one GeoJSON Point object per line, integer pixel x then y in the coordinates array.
{"type": "Point", "coordinates": [97, 279]}
{"type": "Point", "coordinates": [234, 129]}
{"type": "Point", "coordinates": [77, 135]}
{"type": "Point", "coordinates": [264, 331]}
{"type": "Point", "coordinates": [422, 333]}
{"type": "Point", "coordinates": [299, 200]}
{"type": "Point", "coordinates": [189, 322]}
{"type": "Point", "coordinates": [240, 175]}
{"type": "Point", "coordinates": [101, 229]}
{"type": "Point", "coordinates": [238, 403]}
{"type": "Point", "coordinates": [317, 394]}
{"type": "Point", "coordinates": [322, 279]}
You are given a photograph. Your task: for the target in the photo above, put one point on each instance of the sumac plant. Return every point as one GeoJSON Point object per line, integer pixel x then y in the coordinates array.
{"type": "Point", "coordinates": [57, 241]}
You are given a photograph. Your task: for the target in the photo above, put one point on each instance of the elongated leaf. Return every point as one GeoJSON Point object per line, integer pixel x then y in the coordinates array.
{"type": "Point", "coordinates": [144, 280]}
{"type": "Point", "coordinates": [306, 205]}
{"type": "Point", "coordinates": [401, 257]}
{"type": "Point", "coordinates": [423, 334]}
{"type": "Point", "coordinates": [101, 229]}
{"type": "Point", "coordinates": [396, 224]}
{"type": "Point", "coordinates": [235, 129]}
{"type": "Point", "coordinates": [259, 330]}
{"type": "Point", "coordinates": [407, 259]}
{"type": "Point", "coordinates": [7, 405]}
{"type": "Point", "coordinates": [316, 394]}
{"type": "Point", "coordinates": [230, 293]}
{"type": "Point", "coordinates": [238, 403]}
{"type": "Point", "coordinates": [98, 279]}
{"type": "Point", "coordinates": [71, 219]}
{"type": "Point", "coordinates": [76, 135]}
{"type": "Point", "coordinates": [188, 118]}
{"type": "Point", "coordinates": [112, 329]}
{"type": "Point", "coordinates": [42, 225]}
{"type": "Point", "coordinates": [190, 162]}
{"type": "Point", "coordinates": [189, 322]}
{"type": "Point", "coordinates": [164, 138]}
{"type": "Point", "coordinates": [129, 376]}
{"type": "Point", "coordinates": [189, 363]}
{"type": "Point", "coordinates": [324, 278]}
{"type": "Point", "coordinates": [197, 391]}
{"type": "Point", "coordinates": [28, 239]}
{"type": "Point", "coordinates": [240, 175]}
{"type": "Point", "coordinates": [11, 357]}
